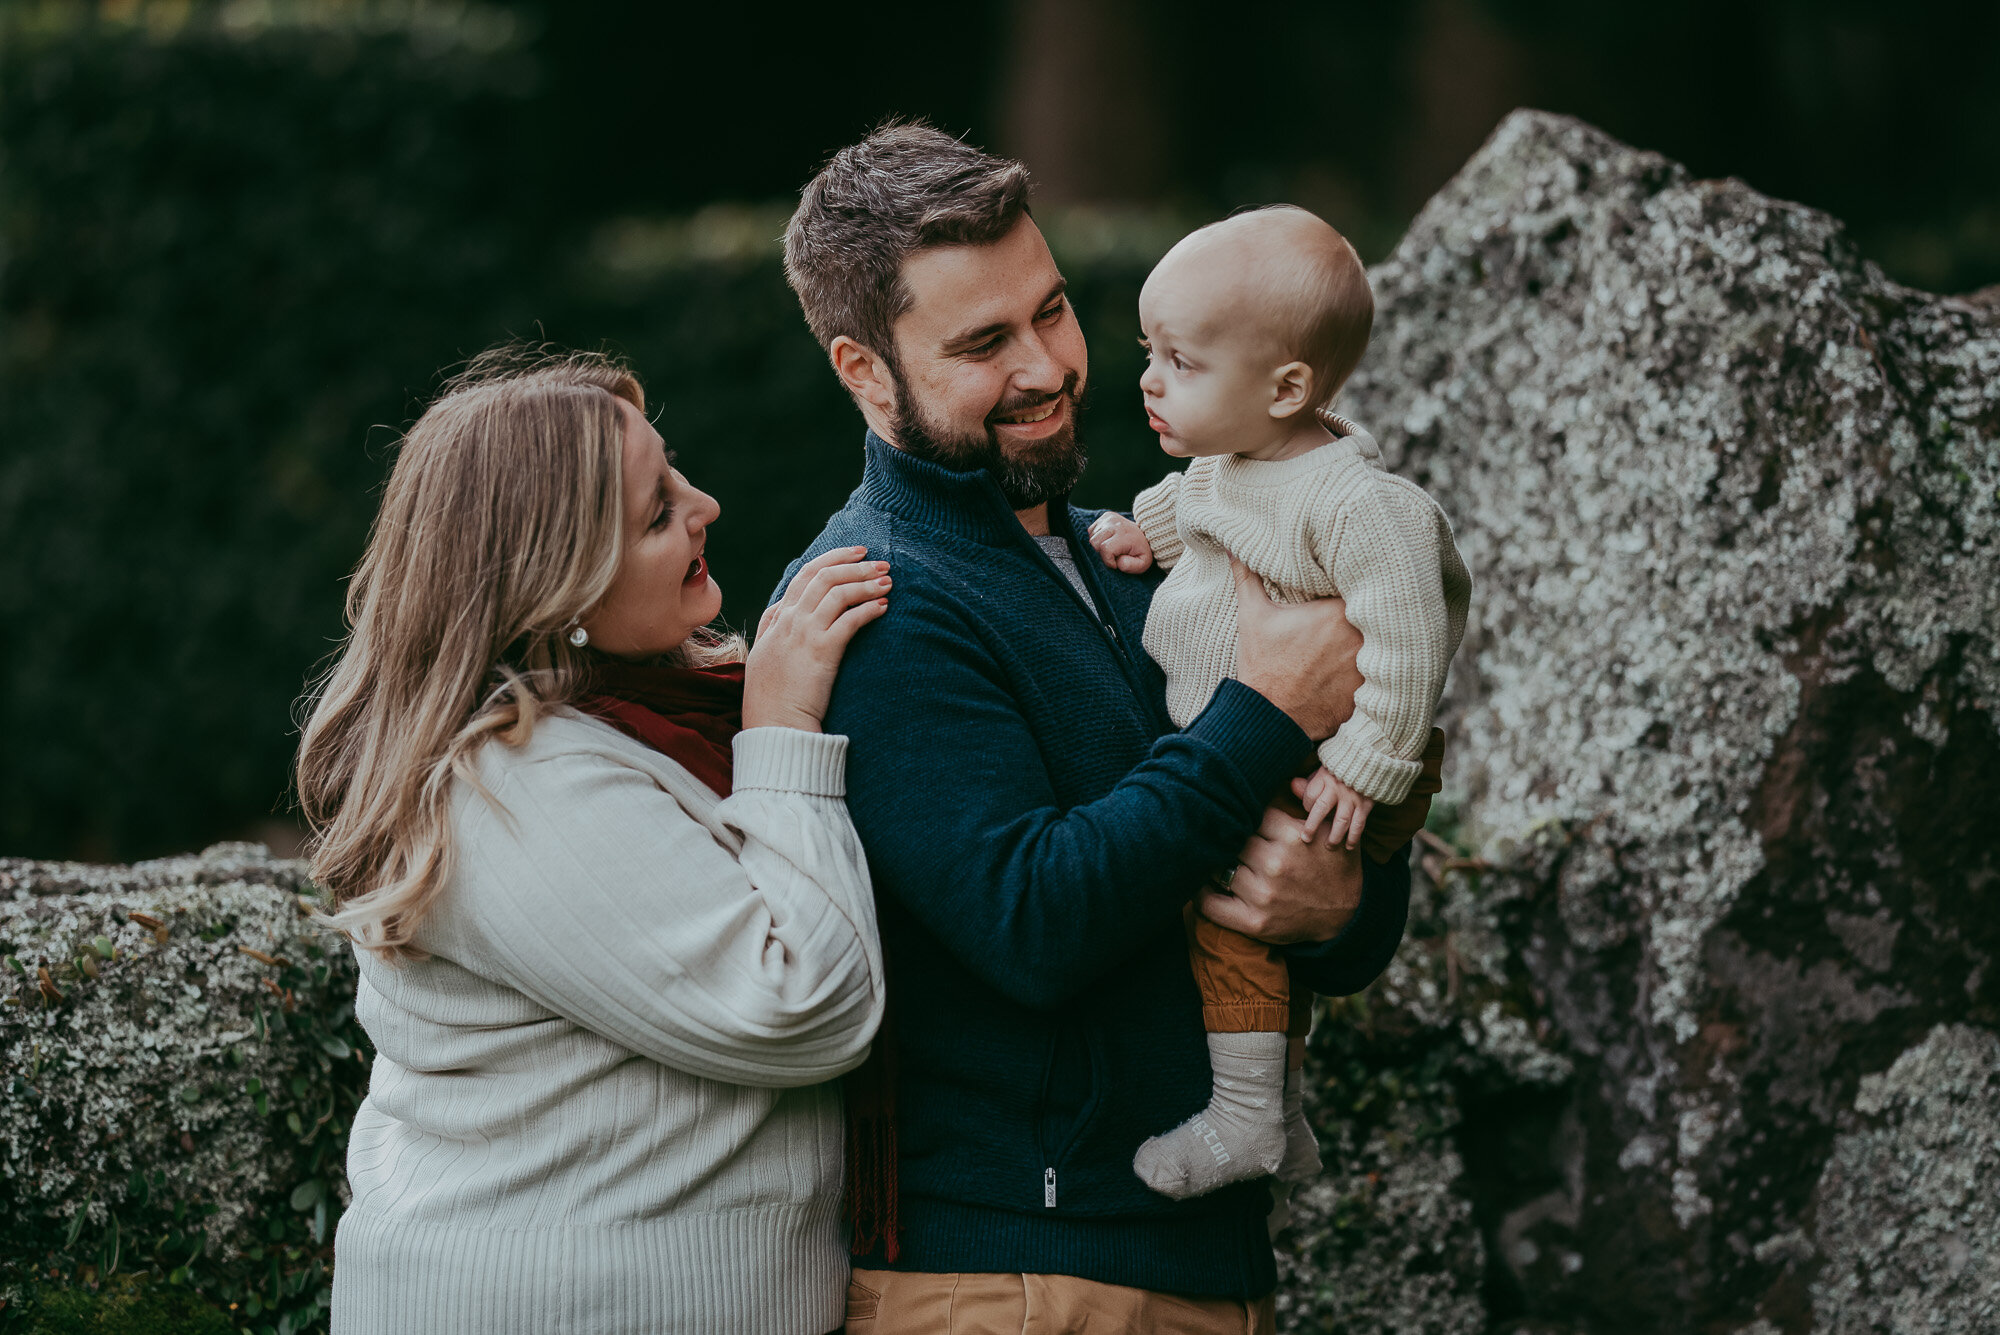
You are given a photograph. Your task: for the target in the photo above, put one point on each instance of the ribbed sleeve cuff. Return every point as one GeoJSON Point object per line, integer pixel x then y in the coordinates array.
{"type": "Point", "coordinates": [1254, 733]}
{"type": "Point", "coordinates": [1354, 762]}
{"type": "Point", "coordinates": [1153, 511]}
{"type": "Point", "coordinates": [790, 761]}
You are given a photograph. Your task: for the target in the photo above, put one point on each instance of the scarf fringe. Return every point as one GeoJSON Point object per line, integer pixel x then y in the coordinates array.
{"type": "Point", "coordinates": [869, 1092]}
{"type": "Point", "coordinates": [871, 1186]}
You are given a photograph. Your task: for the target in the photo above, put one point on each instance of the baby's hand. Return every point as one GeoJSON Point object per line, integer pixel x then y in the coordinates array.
{"type": "Point", "coordinates": [1324, 793]}
{"type": "Point", "coordinates": [1121, 543]}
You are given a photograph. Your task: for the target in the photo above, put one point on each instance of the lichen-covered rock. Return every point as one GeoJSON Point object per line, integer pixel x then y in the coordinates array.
{"type": "Point", "coordinates": [180, 1058]}
{"type": "Point", "coordinates": [1383, 1241]}
{"type": "Point", "coordinates": [1908, 1226]}
{"type": "Point", "coordinates": [1725, 771]}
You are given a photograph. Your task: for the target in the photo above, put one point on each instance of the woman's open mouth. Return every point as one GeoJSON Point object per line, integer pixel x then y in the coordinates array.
{"type": "Point", "coordinates": [697, 570]}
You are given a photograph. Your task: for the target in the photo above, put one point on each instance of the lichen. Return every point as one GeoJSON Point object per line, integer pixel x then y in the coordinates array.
{"type": "Point", "coordinates": [180, 1059]}
{"type": "Point", "coordinates": [1383, 1241]}
{"type": "Point", "coordinates": [1908, 1227]}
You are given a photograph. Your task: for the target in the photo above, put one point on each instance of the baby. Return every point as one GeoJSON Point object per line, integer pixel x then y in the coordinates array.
{"type": "Point", "coordinates": [1251, 326]}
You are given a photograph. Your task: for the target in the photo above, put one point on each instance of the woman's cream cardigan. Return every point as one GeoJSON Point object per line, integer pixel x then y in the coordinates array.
{"type": "Point", "coordinates": [601, 1105]}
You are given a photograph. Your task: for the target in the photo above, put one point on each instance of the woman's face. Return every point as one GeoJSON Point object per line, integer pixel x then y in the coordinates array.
{"type": "Point", "coordinates": [662, 593]}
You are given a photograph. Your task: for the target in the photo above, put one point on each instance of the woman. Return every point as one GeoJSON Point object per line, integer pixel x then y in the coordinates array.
{"type": "Point", "coordinates": [612, 949]}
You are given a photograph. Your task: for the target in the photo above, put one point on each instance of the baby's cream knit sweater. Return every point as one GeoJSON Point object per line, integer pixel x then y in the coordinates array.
{"type": "Point", "coordinates": [1326, 522]}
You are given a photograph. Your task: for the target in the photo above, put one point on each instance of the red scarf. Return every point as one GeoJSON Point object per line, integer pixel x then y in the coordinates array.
{"type": "Point", "coordinates": [690, 715]}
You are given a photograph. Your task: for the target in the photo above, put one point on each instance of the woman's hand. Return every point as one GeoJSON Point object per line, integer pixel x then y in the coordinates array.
{"type": "Point", "coordinates": [1299, 656]}
{"type": "Point", "coordinates": [789, 676]}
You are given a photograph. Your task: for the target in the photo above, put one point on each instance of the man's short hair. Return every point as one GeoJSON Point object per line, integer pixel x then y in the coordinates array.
{"type": "Point", "coordinates": [905, 188]}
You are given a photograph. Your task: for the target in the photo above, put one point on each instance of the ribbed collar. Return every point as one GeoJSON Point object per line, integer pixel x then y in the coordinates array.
{"type": "Point", "coordinates": [969, 504]}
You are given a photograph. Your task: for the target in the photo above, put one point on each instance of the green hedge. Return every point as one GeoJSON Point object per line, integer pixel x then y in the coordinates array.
{"type": "Point", "coordinates": [235, 262]}
{"type": "Point", "coordinates": [227, 257]}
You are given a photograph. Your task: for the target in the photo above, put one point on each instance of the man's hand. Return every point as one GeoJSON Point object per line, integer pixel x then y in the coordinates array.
{"type": "Point", "coordinates": [1287, 887]}
{"type": "Point", "coordinates": [1299, 656]}
{"type": "Point", "coordinates": [1121, 543]}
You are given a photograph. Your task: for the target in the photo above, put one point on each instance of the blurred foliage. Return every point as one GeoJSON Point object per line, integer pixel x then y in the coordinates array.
{"type": "Point", "coordinates": [227, 255]}
{"type": "Point", "coordinates": [236, 259]}
{"type": "Point", "coordinates": [1883, 112]}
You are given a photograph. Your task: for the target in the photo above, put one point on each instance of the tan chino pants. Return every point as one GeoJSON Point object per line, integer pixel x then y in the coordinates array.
{"type": "Point", "coordinates": [890, 1302]}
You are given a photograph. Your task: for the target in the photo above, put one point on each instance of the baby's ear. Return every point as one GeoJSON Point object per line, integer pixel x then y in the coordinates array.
{"type": "Point", "coordinates": [1291, 389]}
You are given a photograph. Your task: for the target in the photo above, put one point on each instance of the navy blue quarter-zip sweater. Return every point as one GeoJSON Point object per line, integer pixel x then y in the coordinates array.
{"type": "Point", "coordinates": [1034, 823]}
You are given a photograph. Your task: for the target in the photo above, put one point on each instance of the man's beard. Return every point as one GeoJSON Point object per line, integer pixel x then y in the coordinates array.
{"type": "Point", "coordinates": [1039, 471]}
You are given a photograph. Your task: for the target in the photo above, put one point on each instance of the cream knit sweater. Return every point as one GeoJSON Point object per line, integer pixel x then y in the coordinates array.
{"type": "Point", "coordinates": [601, 1104]}
{"type": "Point", "coordinates": [1326, 522]}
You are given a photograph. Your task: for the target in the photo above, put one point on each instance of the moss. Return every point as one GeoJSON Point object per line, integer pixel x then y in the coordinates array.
{"type": "Point", "coordinates": [121, 1307]}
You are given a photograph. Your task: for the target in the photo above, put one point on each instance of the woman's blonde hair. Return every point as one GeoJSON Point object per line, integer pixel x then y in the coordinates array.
{"type": "Point", "coordinates": [502, 525]}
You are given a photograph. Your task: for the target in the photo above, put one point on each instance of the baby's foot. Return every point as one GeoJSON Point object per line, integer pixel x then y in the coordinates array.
{"type": "Point", "coordinates": [1301, 1162]}
{"type": "Point", "coordinates": [1240, 1135]}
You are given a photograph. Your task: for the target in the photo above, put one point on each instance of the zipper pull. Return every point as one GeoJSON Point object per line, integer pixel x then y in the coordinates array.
{"type": "Point", "coordinates": [1048, 1188]}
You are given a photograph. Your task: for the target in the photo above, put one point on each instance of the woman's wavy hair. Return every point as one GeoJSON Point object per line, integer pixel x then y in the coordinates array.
{"type": "Point", "coordinates": [502, 525]}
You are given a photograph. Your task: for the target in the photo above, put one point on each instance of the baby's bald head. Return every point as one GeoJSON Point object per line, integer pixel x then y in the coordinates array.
{"type": "Point", "coordinates": [1285, 275]}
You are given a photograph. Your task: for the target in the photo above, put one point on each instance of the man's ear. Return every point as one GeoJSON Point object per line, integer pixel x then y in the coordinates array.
{"type": "Point", "coordinates": [865, 375]}
{"type": "Point", "coordinates": [1291, 389]}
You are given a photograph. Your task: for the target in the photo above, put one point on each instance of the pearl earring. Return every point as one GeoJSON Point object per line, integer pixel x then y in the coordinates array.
{"type": "Point", "coordinates": [578, 636]}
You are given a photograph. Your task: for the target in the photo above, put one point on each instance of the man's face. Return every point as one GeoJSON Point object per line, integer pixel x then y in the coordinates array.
{"type": "Point", "coordinates": [992, 366]}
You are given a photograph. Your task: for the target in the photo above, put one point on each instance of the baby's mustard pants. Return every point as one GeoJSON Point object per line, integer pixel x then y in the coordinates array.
{"type": "Point", "coordinates": [1245, 988]}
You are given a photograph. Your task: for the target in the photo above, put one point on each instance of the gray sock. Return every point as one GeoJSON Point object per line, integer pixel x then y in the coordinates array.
{"type": "Point", "coordinates": [1240, 1135]}
{"type": "Point", "coordinates": [1301, 1162]}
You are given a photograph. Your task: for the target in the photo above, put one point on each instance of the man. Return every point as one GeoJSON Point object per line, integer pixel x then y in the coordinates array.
{"type": "Point", "coordinates": [1033, 822]}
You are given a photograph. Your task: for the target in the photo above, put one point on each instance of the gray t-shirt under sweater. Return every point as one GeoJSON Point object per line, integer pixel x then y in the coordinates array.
{"type": "Point", "coordinates": [1057, 549]}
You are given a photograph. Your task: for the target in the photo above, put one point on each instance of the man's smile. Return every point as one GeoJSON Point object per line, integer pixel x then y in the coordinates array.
{"type": "Point", "coordinates": [1036, 422]}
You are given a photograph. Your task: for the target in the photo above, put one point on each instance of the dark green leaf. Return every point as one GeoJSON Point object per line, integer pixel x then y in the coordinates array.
{"type": "Point", "coordinates": [108, 1249]}
{"type": "Point", "coordinates": [76, 1223]}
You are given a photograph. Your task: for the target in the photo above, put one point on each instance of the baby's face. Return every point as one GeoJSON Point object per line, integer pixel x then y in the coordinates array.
{"type": "Point", "coordinates": [1211, 362]}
